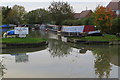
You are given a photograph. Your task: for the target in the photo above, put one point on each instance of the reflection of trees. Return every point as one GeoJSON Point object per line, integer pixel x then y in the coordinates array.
{"type": "Point", "coordinates": [38, 34]}
{"type": "Point", "coordinates": [83, 51]}
{"type": "Point", "coordinates": [34, 34]}
{"type": "Point", "coordinates": [43, 34]}
{"type": "Point", "coordinates": [105, 55]}
{"type": "Point", "coordinates": [102, 62]}
{"type": "Point", "coordinates": [118, 55]}
{"type": "Point", "coordinates": [58, 48]}
{"type": "Point", "coordinates": [2, 68]}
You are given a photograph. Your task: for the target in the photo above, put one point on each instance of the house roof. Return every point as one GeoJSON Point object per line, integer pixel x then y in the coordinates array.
{"type": "Point", "coordinates": [76, 15]}
{"type": "Point", "coordinates": [83, 14]}
{"type": "Point", "coordinates": [114, 5]}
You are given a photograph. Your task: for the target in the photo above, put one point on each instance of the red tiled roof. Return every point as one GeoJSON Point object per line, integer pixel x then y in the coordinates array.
{"type": "Point", "coordinates": [114, 5]}
{"type": "Point", "coordinates": [83, 14]}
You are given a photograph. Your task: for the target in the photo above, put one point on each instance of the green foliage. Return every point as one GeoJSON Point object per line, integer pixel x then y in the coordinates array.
{"type": "Point", "coordinates": [88, 20]}
{"type": "Point", "coordinates": [37, 16]}
{"type": "Point", "coordinates": [60, 11]}
{"type": "Point", "coordinates": [115, 25]}
{"type": "Point", "coordinates": [16, 15]}
{"type": "Point", "coordinates": [84, 21]}
{"type": "Point", "coordinates": [0, 16]}
{"type": "Point", "coordinates": [5, 12]}
{"type": "Point", "coordinates": [72, 22]}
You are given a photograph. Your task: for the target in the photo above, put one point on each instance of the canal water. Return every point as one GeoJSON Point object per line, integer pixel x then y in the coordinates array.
{"type": "Point", "coordinates": [59, 59]}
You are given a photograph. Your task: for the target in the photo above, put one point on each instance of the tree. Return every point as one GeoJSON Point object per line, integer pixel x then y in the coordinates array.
{"type": "Point", "coordinates": [16, 15]}
{"type": "Point", "coordinates": [88, 20]}
{"type": "Point", "coordinates": [115, 25]}
{"type": "Point", "coordinates": [37, 16]}
{"type": "Point", "coordinates": [60, 11]}
{"type": "Point", "coordinates": [103, 18]}
{"type": "Point", "coordinates": [0, 16]}
{"type": "Point", "coordinates": [5, 11]}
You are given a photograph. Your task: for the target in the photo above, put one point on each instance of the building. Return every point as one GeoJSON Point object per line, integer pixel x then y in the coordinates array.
{"type": "Point", "coordinates": [76, 15]}
{"type": "Point", "coordinates": [83, 14]}
{"type": "Point", "coordinates": [115, 6]}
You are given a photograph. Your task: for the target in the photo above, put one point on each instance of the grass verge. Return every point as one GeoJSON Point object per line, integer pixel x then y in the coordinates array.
{"type": "Point", "coordinates": [105, 37]}
{"type": "Point", "coordinates": [22, 40]}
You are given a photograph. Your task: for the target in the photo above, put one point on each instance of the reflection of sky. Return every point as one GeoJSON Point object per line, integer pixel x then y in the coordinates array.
{"type": "Point", "coordinates": [78, 6]}
{"type": "Point", "coordinates": [42, 65]}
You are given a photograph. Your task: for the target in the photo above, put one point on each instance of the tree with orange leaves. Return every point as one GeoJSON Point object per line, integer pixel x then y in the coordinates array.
{"type": "Point", "coordinates": [103, 18]}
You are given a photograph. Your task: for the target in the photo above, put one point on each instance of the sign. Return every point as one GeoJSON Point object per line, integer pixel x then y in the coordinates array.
{"type": "Point", "coordinates": [21, 30]}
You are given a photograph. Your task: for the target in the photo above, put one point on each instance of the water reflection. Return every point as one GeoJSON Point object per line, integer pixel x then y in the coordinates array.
{"type": "Point", "coordinates": [105, 56]}
{"type": "Point", "coordinates": [21, 58]}
{"type": "Point", "coordinates": [59, 48]}
{"type": "Point", "coordinates": [34, 33]}
{"type": "Point", "coordinates": [82, 51]}
{"type": "Point", "coordinates": [85, 60]}
{"type": "Point", "coordinates": [2, 68]}
{"type": "Point", "coordinates": [14, 50]}
{"type": "Point", "coordinates": [102, 64]}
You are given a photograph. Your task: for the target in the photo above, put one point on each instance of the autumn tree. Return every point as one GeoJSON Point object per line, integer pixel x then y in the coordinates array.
{"type": "Point", "coordinates": [103, 18]}
{"type": "Point", "coordinates": [16, 15]}
{"type": "Point", "coordinates": [60, 11]}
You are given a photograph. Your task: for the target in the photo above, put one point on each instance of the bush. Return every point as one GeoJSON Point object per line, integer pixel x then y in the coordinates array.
{"type": "Point", "coordinates": [67, 22]}
{"type": "Point", "coordinates": [72, 22]}
{"type": "Point", "coordinates": [88, 21]}
{"type": "Point", "coordinates": [84, 21]}
{"type": "Point", "coordinates": [115, 26]}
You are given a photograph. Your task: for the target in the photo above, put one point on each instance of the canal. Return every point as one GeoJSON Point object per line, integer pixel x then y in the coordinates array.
{"type": "Point", "coordinates": [59, 59]}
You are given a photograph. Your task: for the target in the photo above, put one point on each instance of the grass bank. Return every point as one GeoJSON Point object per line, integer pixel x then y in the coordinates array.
{"type": "Point", "coordinates": [105, 37]}
{"type": "Point", "coordinates": [22, 40]}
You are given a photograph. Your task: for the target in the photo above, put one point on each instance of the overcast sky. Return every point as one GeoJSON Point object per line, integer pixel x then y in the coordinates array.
{"type": "Point", "coordinates": [78, 5]}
